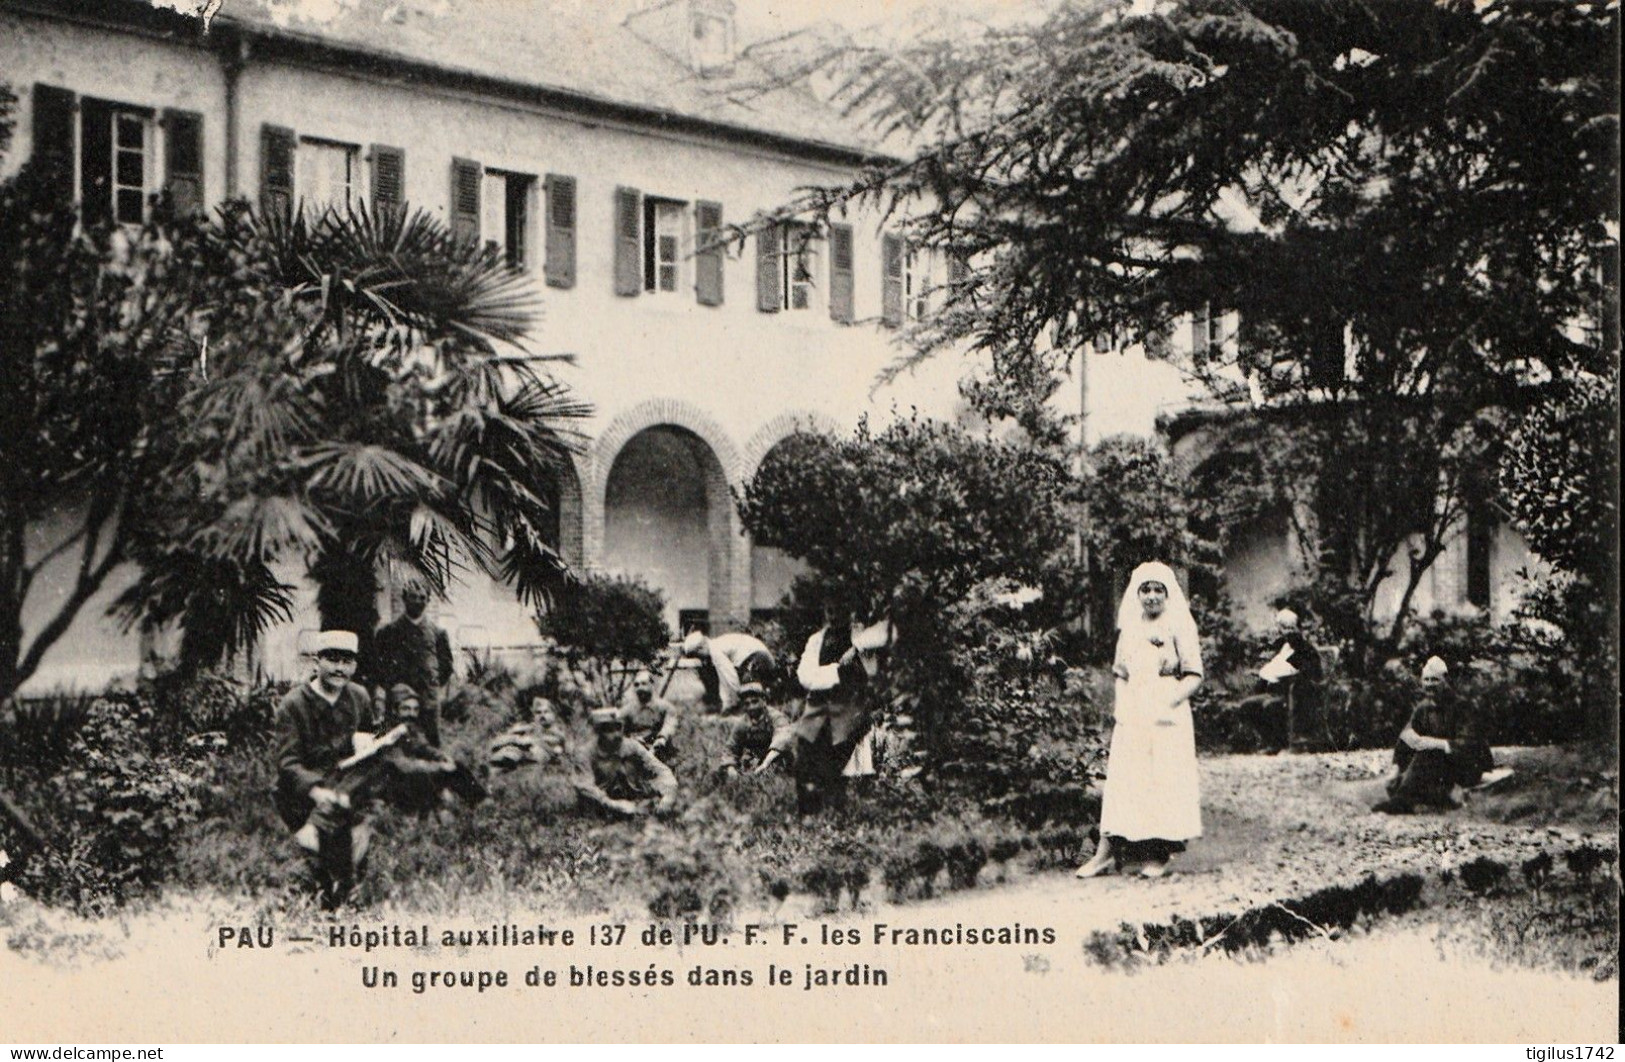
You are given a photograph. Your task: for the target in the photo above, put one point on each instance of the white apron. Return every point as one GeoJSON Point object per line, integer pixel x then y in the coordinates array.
{"type": "Point", "coordinates": [1152, 790]}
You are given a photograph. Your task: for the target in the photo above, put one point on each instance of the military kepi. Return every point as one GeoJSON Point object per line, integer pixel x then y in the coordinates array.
{"type": "Point", "coordinates": [337, 642]}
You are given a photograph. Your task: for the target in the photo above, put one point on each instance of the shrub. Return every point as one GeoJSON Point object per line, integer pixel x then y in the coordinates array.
{"type": "Point", "coordinates": [114, 814]}
{"type": "Point", "coordinates": [608, 626]}
{"type": "Point", "coordinates": [910, 521]}
{"type": "Point", "coordinates": [40, 731]}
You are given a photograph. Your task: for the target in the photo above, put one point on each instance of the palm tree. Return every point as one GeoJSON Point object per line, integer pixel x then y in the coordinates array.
{"type": "Point", "coordinates": [363, 399]}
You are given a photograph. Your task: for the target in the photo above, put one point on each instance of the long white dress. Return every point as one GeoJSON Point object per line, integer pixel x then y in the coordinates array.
{"type": "Point", "coordinates": [1152, 789]}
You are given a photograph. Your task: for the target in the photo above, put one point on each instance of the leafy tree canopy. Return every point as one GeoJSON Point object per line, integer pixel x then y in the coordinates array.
{"type": "Point", "coordinates": [1411, 208]}
{"type": "Point", "coordinates": [1437, 179]}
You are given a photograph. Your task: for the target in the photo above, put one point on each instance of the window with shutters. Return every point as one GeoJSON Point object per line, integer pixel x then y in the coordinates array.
{"type": "Point", "coordinates": [326, 175]}
{"type": "Point", "coordinates": [505, 220]}
{"type": "Point", "coordinates": [664, 237]}
{"type": "Point", "coordinates": [113, 153]}
{"type": "Point", "coordinates": [799, 248]}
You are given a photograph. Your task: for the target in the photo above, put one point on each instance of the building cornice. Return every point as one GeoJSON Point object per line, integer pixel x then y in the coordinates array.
{"type": "Point", "coordinates": [273, 44]}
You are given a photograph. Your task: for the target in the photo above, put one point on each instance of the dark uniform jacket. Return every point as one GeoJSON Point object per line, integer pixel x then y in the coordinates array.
{"type": "Point", "coordinates": [648, 722]}
{"type": "Point", "coordinates": [750, 739]}
{"type": "Point", "coordinates": [312, 736]}
{"type": "Point", "coordinates": [632, 773]}
{"type": "Point", "coordinates": [415, 652]}
{"type": "Point", "coordinates": [1445, 715]}
{"type": "Point", "coordinates": [1305, 658]}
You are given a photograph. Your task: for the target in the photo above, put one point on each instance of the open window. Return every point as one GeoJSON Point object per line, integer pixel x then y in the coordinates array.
{"type": "Point", "coordinates": [507, 203]}
{"type": "Point", "coordinates": [665, 225]}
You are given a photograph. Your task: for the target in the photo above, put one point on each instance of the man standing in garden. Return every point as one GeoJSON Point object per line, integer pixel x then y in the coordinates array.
{"type": "Point", "coordinates": [627, 779]}
{"type": "Point", "coordinates": [1286, 710]}
{"type": "Point", "coordinates": [412, 649]}
{"type": "Point", "coordinates": [316, 728]}
{"type": "Point", "coordinates": [838, 665]}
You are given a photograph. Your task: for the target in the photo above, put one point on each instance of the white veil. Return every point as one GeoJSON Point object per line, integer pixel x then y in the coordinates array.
{"type": "Point", "coordinates": [1178, 610]}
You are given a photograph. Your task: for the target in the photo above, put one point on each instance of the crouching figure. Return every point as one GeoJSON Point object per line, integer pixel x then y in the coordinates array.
{"type": "Point", "coordinates": [330, 768]}
{"type": "Point", "coordinates": [1439, 749]}
{"type": "Point", "coordinates": [627, 779]}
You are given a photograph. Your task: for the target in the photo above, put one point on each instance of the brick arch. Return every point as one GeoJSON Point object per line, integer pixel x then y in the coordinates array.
{"type": "Point", "coordinates": [730, 549]}
{"type": "Point", "coordinates": [572, 510]}
{"type": "Point", "coordinates": [673, 412]}
{"type": "Point", "coordinates": [778, 429]}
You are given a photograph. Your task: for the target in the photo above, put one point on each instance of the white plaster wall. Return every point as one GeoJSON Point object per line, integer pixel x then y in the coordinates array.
{"type": "Point", "coordinates": [123, 68]}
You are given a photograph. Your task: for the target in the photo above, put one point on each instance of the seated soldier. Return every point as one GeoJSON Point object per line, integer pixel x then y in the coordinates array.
{"type": "Point", "coordinates": [757, 738]}
{"type": "Point", "coordinates": [627, 779]}
{"type": "Point", "coordinates": [649, 718]}
{"type": "Point", "coordinates": [1438, 750]}
{"type": "Point", "coordinates": [1286, 708]}
{"type": "Point", "coordinates": [317, 727]}
{"type": "Point", "coordinates": [407, 770]}
{"type": "Point", "coordinates": [537, 738]}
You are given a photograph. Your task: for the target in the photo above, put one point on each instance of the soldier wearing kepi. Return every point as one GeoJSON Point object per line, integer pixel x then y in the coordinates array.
{"type": "Point", "coordinates": [627, 779]}
{"type": "Point", "coordinates": [759, 737]}
{"type": "Point", "coordinates": [316, 728]}
{"type": "Point", "coordinates": [412, 649]}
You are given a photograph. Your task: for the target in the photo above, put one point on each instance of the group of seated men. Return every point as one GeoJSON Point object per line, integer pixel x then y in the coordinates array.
{"type": "Point", "coordinates": [330, 764]}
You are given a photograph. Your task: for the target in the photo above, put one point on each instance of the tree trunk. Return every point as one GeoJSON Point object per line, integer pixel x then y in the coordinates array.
{"type": "Point", "coordinates": [347, 596]}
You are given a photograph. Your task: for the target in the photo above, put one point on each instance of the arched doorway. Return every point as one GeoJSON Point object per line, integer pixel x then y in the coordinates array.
{"type": "Point", "coordinates": [666, 521]}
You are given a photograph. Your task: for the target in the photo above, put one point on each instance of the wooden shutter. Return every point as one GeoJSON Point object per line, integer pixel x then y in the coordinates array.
{"type": "Point", "coordinates": [628, 245]}
{"type": "Point", "coordinates": [891, 287]}
{"type": "Point", "coordinates": [277, 146]}
{"type": "Point", "coordinates": [708, 252]}
{"type": "Point", "coordinates": [465, 199]}
{"type": "Point", "coordinates": [840, 273]}
{"type": "Point", "coordinates": [388, 179]}
{"type": "Point", "coordinates": [769, 275]}
{"type": "Point", "coordinates": [1201, 331]}
{"type": "Point", "coordinates": [183, 160]}
{"type": "Point", "coordinates": [53, 135]}
{"type": "Point", "coordinates": [561, 231]}
{"type": "Point", "coordinates": [96, 160]}
{"type": "Point", "coordinates": [958, 273]}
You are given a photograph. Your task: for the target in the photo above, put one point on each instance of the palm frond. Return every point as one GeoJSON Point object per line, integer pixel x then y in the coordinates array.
{"type": "Point", "coordinates": [262, 529]}
{"type": "Point", "coordinates": [531, 566]}
{"type": "Point", "coordinates": [395, 268]}
{"type": "Point", "coordinates": [222, 607]}
{"type": "Point", "coordinates": [366, 475]}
